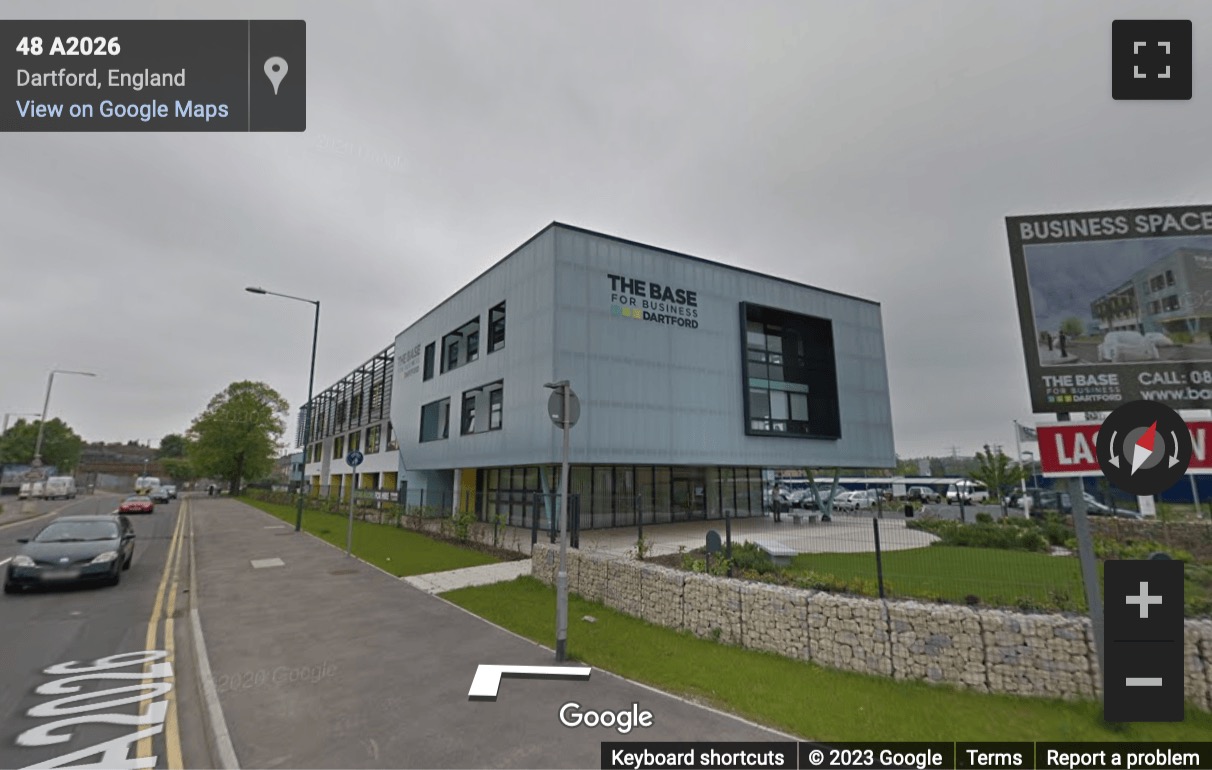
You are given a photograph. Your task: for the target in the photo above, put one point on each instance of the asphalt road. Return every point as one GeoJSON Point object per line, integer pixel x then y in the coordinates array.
{"type": "Point", "coordinates": [50, 719]}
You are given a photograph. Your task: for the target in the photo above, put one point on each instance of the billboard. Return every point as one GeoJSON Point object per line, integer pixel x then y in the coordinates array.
{"type": "Point", "coordinates": [1115, 306]}
{"type": "Point", "coordinates": [1068, 448]}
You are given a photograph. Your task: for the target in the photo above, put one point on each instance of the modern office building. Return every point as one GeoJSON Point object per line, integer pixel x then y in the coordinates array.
{"type": "Point", "coordinates": [692, 377]}
{"type": "Point", "coordinates": [1172, 295]}
{"type": "Point", "coordinates": [353, 415]}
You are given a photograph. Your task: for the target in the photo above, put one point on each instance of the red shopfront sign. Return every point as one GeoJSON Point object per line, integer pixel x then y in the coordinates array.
{"type": "Point", "coordinates": [1068, 448]}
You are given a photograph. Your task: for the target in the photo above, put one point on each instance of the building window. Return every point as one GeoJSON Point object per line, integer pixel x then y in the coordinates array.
{"type": "Point", "coordinates": [393, 443]}
{"type": "Point", "coordinates": [338, 448]}
{"type": "Point", "coordinates": [790, 374]}
{"type": "Point", "coordinates": [1169, 277]}
{"type": "Point", "coordinates": [355, 441]}
{"type": "Point", "coordinates": [461, 346]}
{"type": "Point", "coordinates": [316, 452]}
{"type": "Point", "coordinates": [482, 408]}
{"type": "Point", "coordinates": [373, 435]}
{"type": "Point", "coordinates": [435, 420]}
{"type": "Point", "coordinates": [340, 414]}
{"type": "Point", "coordinates": [496, 328]}
{"type": "Point", "coordinates": [1154, 307]}
{"type": "Point", "coordinates": [1157, 283]}
{"type": "Point", "coordinates": [429, 351]}
{"type": "Point", "coordinates": [1170, 303]}
{"type": "Point", "coordinates": [355, 410]}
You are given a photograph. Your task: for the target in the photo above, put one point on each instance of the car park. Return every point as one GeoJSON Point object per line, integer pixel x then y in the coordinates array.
{"type": "Point", "coordinates": [73, 549]}
{"type": "Point", "coordinates": [1121, 346]}
{"type": "Point", "coordinates": [137, 504]}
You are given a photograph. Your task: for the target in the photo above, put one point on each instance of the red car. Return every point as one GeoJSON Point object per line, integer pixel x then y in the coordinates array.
{"type": "Point", "coordinates": [137, 504]}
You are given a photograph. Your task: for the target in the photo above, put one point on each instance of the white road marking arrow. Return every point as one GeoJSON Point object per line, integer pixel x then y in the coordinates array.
{"type": "Point", "coordinates": [487, 681]}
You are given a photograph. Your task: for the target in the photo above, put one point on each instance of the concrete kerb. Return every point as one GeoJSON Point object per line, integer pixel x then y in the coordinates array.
{"type": "Point", "coordinates": [217, 734]}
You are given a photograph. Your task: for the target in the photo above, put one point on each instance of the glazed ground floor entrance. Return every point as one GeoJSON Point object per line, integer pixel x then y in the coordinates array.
{"type": "Point", "coordinates": [617, 495]}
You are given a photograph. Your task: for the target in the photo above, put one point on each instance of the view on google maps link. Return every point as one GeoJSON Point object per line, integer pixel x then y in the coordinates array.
{"type": "Point", "coordinates": [530, 384]}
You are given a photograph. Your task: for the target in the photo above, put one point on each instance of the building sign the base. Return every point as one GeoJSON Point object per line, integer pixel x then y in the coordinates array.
{"type": "Point", "coordinates": [1068, 448]}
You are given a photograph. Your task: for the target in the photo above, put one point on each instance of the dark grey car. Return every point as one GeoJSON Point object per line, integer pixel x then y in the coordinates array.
{"type": "Point", "coordinates": [73, 549]}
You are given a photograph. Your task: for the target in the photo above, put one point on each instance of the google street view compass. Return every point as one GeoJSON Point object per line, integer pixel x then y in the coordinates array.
{"type": "Point", "coordinates": [1144, 447]}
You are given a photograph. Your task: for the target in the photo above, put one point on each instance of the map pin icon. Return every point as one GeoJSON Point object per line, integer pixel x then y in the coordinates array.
{"type": "Point", "coordinates": [275, 70]}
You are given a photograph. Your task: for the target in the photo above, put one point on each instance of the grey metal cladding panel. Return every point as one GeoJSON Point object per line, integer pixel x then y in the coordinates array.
{"type": "Point", "coordinates": [524, 282]}
{"type": "Point", "coordinates": [670, 394]}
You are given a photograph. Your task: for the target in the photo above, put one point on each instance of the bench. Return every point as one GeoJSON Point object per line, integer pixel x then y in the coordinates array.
{"type": "Point", "coordinates": [779, 553]}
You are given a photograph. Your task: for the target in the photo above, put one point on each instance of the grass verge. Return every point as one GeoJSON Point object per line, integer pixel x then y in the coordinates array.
{"type": "Point", "coordinates": [797, 697]}
{"type": "Point", "coordinates": [401, 552]}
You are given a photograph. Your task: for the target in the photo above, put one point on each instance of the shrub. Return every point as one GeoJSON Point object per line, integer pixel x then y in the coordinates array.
{"type": "Point", "coordinates": [748, 556]}
{"type": "Point", "coordinates": [1107, 548]}
{"type": "Point", "coordinates": [984, 518]}
{"type": "Point", "coordinates": [988, 535]}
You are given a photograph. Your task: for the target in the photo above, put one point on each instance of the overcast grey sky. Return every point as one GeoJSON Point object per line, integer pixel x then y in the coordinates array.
{"type": "Point", "coordinates": [872, 148]}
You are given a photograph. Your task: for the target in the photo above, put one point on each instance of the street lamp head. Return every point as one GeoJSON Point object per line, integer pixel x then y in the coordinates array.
{"type": "Point", "coordinates": [254, 290]}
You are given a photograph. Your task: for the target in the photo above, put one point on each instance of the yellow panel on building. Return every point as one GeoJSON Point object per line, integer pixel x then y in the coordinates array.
{"type": "Point", "coordinates": [467, 490]}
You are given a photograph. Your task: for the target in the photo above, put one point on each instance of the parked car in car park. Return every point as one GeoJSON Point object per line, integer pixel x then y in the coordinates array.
{"type": "Point", "coordinates": [865, 498]}
{"type": "Point", "coordinates": [843, 501]}
{"type": "Point", "coordinates": [923, 494]}
{"type": "Point", "coordinates": [73, 549]}
{"type": "Point", "coordinates": [968, 492]}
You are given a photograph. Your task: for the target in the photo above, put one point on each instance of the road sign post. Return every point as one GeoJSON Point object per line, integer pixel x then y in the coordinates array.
{"type": "Point", "coordinates": [564, 408]}
{"type": "Point", "coordinates": [353, 459]}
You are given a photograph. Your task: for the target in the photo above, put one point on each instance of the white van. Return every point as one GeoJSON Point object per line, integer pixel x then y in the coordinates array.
{"type": "Point", "coordinates": [61, 487]}
{"type": "Point", "coordinates": [972, 492]}
{"type": "Point", "coordinates": [145, 484]}
{"type": "Point", "coordinates": [26, 490]}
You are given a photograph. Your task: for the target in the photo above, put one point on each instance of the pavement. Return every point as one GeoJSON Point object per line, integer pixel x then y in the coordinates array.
{"type": "Point", "coordinates": [318, 660]}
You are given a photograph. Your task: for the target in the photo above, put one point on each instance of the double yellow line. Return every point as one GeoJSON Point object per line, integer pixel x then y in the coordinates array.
{"type": "Point", "coordinates": [163, 609]}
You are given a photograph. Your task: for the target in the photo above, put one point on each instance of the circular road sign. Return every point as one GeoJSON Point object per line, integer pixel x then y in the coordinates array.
{"type": "Point", "coordinates": [354, 459]}
{"type": "Point", "coordinates": [1144, 447]}
{"type": "Point", "coordinates": [555, 408]}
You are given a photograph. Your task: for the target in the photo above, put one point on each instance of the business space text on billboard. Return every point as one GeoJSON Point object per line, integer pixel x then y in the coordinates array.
{"type": "Point", "coordinates": [1115, 306]}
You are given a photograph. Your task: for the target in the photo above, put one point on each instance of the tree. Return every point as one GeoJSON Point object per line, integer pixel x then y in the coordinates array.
{"type": "Point", "coordinates": [997, 472]}
{"type": "Point", "coordinates": [172, 445]}
{"type": "Point", "coordinates": [60, 444]}
{"type": "Point", "coordinates": [237, 437]}
{"type": "Point", "coordinates": [178, 469]}
{"type": "Point", "coordinates": [1073, 326]}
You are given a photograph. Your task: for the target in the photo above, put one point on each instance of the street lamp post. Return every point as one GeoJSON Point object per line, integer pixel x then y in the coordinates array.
{"type": "Point", "coordinates": [311, 379]}
{"type": "Point", "coordinates": [567, 418]}
{"type": "Point", "coordinates": [37, 462]}
{"type": "Point", "coordinates": [15, 414]}
{"type": "Point", "coordinates": [1031, 466]}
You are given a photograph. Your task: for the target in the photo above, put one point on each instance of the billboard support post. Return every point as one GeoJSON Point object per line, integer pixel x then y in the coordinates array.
{"type": "Point", "coordinates": [1085, 554]}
